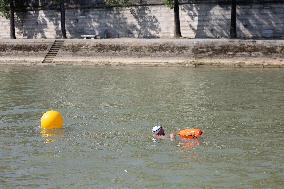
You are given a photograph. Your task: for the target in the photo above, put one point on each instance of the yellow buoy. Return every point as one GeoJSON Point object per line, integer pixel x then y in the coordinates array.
{"type": "Point", "coordinates": [51, 120]}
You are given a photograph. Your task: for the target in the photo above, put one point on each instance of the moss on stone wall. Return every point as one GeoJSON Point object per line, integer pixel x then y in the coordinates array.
{"type": "Point", "coordinates": [23, 47]}
{"type": "Point", "coordinates": [238, 50]}
{"type": "Point", "coordinates": [169, 50]}
{"type": "Point", "coordinates": [129, 50]}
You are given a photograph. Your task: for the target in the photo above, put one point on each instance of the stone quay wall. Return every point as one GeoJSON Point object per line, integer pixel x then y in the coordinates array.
{"type": "Point", "coordinates": [203, 20]}
{"type": "Point", "coordinates": [150, 52]}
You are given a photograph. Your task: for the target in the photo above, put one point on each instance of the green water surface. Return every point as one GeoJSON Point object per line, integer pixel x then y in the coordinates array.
{"type": "Point", "coordinates": [109, 113]}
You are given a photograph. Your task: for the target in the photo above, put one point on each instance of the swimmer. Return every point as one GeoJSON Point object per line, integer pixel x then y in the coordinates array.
{"type": "Point", "coordinates": [185, 134]}
{"type": "Point", "coordinates": [159, 133]}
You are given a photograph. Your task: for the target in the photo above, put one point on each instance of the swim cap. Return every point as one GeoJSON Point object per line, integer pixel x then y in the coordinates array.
{"type": "Point", "coordinates": [156, 129]}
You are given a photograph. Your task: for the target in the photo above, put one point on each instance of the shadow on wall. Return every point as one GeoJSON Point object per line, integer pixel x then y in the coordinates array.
{"type": "Point", "coordinates": [253, 20]}
{"type": "Point", "coordinates": [149, 26]}
{"type": "Point", "coordinates": [30, 25]}
{"type": "Point", "coordinates": [112, 22]}
{"type": "Point", "coordinates": [198, 20]}
{"type": "Point", "coordinates": [260, 21]}
{"type": "Point", "coordinates": [206, 20]}
{"type": "Point", "coordinates": [106, 23]}
{"type": "Point", "coordinates": [39, 24]}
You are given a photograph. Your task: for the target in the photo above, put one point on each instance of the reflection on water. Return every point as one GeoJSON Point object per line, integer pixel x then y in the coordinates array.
{"type": "Point", "coordinates": [109, 112]}
{"type": "Point", "coordinates": [189, 144]}
{"type": "Point", "coordinates": [50, 135]}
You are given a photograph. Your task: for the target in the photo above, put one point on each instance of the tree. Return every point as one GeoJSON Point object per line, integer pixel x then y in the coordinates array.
{"type": "Point", "coordinates": [7, 9]}
{"type": "Point", "coordinates": [12, 20]}
{"type": "Point", "coordinates": [233, 28]}
{"type": "Point", "coordinates": [61, 4]}
{"type": "Point", "coordinates": [121, 3]}
{"type": "Point", "coordinates": [62, 19]}
{"type": "Point", "coordinates": [174, 4]}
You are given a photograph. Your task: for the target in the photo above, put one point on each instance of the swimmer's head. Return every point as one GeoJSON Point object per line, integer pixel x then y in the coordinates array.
{"type": "Point", "coordinates": [158, 130]}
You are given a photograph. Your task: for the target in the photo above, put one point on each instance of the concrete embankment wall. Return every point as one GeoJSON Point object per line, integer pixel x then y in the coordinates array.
{"type": "Point", "coordinates": [222, 52]}
{"type": "Point", "coordinates": [198, 20]}
{"type": "Point", "coordinates": [24, 51]}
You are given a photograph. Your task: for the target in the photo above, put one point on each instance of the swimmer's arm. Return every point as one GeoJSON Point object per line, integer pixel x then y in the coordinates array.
{"type": "Point", "coordinates": [160, 137]}
{"type": "Point", "coordinates": [172, 136]}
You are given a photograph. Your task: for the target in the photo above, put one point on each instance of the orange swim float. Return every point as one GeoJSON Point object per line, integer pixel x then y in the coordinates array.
{"type": "Point", "coordinates": [190, 133]}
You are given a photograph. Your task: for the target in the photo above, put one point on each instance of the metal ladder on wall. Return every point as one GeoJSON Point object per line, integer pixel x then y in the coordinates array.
{"type": "Point", "coordinates": [57, 44]}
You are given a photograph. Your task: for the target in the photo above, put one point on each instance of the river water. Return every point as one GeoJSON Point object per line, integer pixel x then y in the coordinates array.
{"type": "Point", "coordinates": [109, 112]}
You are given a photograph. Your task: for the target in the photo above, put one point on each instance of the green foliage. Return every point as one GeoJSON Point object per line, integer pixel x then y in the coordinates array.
{"type": "Point", "coordinates": [58, 1]}
{"type": "Point", "coordinates": [169, 3]}
{"type": "Point", "coordinates": [117, 2]}
{"type": "Point", "coordinates": [4, 8]}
